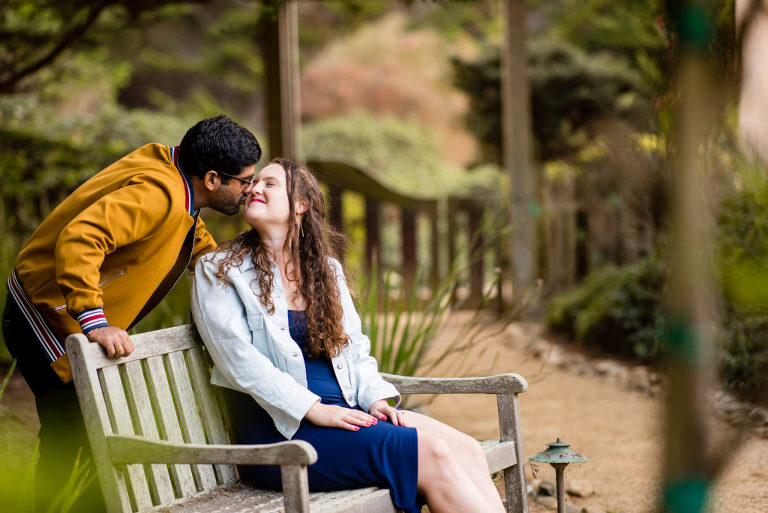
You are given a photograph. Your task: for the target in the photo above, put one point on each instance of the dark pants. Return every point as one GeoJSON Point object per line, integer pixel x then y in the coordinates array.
{"type": "Point", "coordinates": [62, 431]}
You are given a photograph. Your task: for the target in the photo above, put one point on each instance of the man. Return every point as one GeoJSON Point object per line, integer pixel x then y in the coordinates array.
{"type": "Point", "coordinates": [102, 260]}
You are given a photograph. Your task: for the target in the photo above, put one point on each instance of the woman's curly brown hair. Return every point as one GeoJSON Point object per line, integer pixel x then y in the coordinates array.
{"type": "Point", "coordinates": [311, 244]}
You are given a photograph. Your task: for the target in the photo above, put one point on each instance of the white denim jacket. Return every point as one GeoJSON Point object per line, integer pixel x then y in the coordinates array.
{"type": "Point", "coordinates": [253, 351]}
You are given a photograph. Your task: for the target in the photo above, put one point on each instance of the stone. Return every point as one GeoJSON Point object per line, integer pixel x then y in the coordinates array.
{"type": "Point", "coordinates": [555, 357]}
{"type": "Point", "coordinates": [579, 488]}
{"type": "Point", "coordinates": [638, 379]}
{"type": "Point", "coordinates": [735, 411]}
{"type": "Point", "coordinates": [759, 416]}
{"type": "Point", "coordinates": [577, 359]}
{"type": "Point", "coordinates": [608, 368]}
{"type": "Point", "coordinates": [572, 508]}
{"type": "Point", "coordinates": [539, 348]}
{"type": "Point", "coordinates": [547, 501]}
{"type": "Point", "coordinates": [516, 334]}
{"type": "Point", "coordinates": [620, 377]}
{"type": "Point", "coordinates": [547, 487]}
{"type": "Point", "coordinates": [551, 503]}
{"type": "Point", "coordinates": [585, 369]}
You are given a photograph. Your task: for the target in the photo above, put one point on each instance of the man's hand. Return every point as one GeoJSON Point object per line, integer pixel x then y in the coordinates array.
{"type": "Point", "coordinates": [338, 416]}
{"type": "Point", "coordinates": [113, 339]}
{"type": "Point", "coordinates": [382, 410]}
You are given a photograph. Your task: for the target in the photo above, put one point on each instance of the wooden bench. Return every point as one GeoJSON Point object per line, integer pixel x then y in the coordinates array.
{"type": "Point", "coordinates": [159, 440]}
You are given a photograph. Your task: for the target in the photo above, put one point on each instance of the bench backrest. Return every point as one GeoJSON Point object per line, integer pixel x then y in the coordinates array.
{"type": "Point", "coordinates": [161, 391]}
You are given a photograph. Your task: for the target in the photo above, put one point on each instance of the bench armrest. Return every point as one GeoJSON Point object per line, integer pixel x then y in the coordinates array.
{"type": "Point", "coordinates": [498, 384]}
{"type": "Point", "coordinates": [137, 449]}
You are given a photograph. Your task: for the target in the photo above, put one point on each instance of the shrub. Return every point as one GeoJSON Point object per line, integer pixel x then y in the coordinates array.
{"type": "Point", "coordinates": [743, 241]}
{"type": "Point", "coordinates": [617, 309]}
{"type": "Point", "coordinates": [743, 355]}
{"type": "Point", "coordinates": [620, 309]}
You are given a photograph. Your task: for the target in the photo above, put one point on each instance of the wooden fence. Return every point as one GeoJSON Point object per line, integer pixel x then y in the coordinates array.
{"type": "Point", "coordinates": [441, 214]}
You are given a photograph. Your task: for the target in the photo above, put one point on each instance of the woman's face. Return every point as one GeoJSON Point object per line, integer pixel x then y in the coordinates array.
{"type": "Point", "coordinates": [266, 206]}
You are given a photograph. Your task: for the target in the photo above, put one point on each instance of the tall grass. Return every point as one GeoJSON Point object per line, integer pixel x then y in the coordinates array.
{"type": "Point", "coordinates": [17, 482]}
{"type": "Point", "coordinates": [400, 335]}
{"type": "Point", "coordinates": [7, 378]}
{"type": "Point", "coordinates": [79, 480]}
{"type": "Point", "coordinates": [7, 256]}
{"type": "Point", "coordinates": [17, 487]}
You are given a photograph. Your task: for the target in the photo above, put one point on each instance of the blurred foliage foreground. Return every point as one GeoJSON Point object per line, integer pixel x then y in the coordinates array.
{"type": "Point", "coordinates": [621, 310]}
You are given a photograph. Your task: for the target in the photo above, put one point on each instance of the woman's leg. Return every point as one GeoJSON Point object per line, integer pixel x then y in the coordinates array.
{"type": "Point", "coordinates": [465, 452]}
{"type": "Point", "coordinates": [443, 482]}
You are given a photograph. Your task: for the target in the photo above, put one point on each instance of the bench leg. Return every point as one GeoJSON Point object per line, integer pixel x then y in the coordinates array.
{"type": "Point", "coordinates": [295, 488]}
{"type": "Point", "coordinates": [514, 477]}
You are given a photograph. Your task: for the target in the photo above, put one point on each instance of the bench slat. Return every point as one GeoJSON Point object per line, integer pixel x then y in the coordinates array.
{"type": "Point", "coordinates": [237, 498]}
{"type": "Point", "coordinates": [212, 420]}
{"type": "Point", "coordinates": [242, 498]}
{"type": "Point", "coordinates": [153, 343]}
{"type": "Point", "coordinates": [186, 405]}
{"type": "Point", "coordinates": [370, 500]}
{"type": "Point", "coordinates": [168, 422]}
{"type": "Point", "coordinates": [117, 407]}
{"type": "Point", "coordinates": [140, 405]}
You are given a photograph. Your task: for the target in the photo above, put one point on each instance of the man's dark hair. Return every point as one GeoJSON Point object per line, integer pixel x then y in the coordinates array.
{"type": "Point", "coordinates": [220, 144]}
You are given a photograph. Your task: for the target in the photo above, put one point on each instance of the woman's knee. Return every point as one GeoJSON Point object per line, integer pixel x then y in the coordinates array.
{"type": "Point", "coordinates": [436, 459]}
{"type": "Point", "coordinates": [466, 448]}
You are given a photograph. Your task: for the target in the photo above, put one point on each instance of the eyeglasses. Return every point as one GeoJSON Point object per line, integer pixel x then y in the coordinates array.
{"type": "Point", "coordinates": [247, 183]}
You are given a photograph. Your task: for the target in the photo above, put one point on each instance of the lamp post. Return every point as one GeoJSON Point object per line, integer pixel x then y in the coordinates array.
{"type": "Point", "coordinates": [559, 455]}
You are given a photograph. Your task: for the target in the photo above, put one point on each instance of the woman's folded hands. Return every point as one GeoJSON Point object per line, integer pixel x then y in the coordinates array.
{"type": "Point", "coordinates": [338, 416]}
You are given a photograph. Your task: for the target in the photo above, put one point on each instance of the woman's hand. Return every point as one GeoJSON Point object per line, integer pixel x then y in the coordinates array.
{"type": "Point", "coordinates": [337, 416]}
{"type": "Point", "coordinates": [382, 410]}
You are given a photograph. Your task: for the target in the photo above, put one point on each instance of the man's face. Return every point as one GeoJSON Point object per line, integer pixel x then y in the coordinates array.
{"type": "Point", "coordinates": [228, 197]}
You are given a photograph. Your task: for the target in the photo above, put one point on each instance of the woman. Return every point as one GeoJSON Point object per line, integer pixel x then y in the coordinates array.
{"type": "Point", "coordinates": [277, 318]}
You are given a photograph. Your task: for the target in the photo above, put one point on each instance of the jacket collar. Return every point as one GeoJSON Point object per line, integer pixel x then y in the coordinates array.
{"type": "Point", "coordinates": [189, 192]}
{"type": "Point", "coordinates": [249, 265]}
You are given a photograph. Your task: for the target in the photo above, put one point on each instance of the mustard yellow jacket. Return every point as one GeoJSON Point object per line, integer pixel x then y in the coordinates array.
{"type": "Point", "coordinates": [111, 244]}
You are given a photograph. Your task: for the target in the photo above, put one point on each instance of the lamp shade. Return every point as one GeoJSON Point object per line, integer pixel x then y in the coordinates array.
{"type": "Point", "coordinates": [558, 452]}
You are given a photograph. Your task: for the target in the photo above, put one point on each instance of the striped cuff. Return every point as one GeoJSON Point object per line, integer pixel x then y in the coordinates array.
{"type": "Point", "coordinates": [91, 319]}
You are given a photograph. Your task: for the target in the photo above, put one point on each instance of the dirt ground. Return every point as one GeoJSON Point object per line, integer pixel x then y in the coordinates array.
{"type": "Point", "coordinates": [618, 429]}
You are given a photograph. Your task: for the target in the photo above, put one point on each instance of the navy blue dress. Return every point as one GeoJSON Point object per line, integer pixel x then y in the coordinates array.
{"type": "Point", "coordinates": [382, 455]}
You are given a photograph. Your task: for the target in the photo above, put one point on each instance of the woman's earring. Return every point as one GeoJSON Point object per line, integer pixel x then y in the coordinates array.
{"type": "Point", "coordinates": [301, 229]}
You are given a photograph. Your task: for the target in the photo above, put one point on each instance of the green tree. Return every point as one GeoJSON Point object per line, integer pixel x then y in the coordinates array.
{"type": "Point", "coordinates": [35, 34]}
{"type": "Point", "coordinates": [570, 89]}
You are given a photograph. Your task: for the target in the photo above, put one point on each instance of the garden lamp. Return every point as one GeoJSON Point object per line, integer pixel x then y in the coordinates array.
{"type": "Point", "coordinates": [559, 455]}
